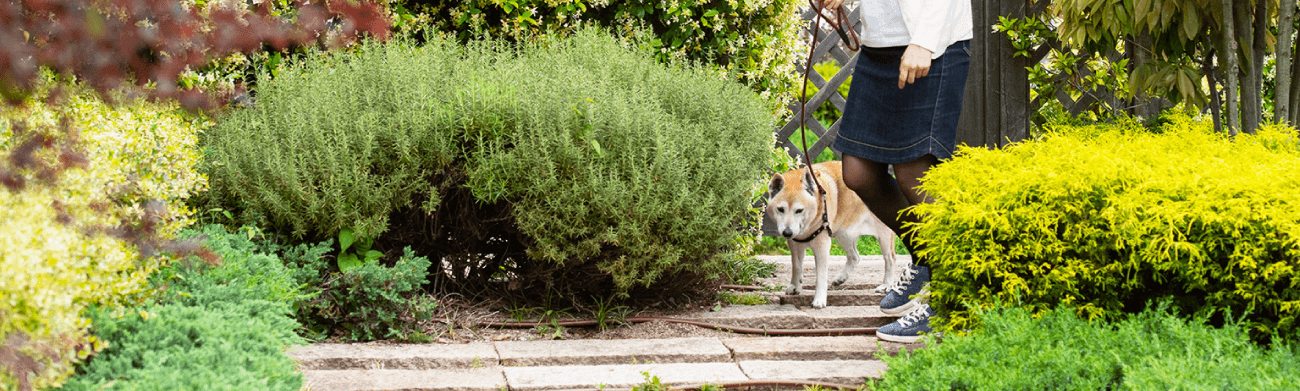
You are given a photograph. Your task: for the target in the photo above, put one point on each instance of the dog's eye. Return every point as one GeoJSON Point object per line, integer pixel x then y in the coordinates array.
{"type": "Point", "coordinates": [798, 211]}
{"type": "Point", "coordinates": [780, 210]}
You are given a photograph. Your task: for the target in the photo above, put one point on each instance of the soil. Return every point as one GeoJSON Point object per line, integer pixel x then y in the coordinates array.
{"type": "Point", "coordinates": [458, 324]}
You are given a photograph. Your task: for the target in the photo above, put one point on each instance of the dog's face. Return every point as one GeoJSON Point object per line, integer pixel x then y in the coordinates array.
{"type": "Point", "coordinates": [792, 201]}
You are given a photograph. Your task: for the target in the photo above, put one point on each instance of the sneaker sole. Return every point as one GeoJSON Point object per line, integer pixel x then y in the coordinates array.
{"type": "Point", "coordinates": [898, 338]}
{"type": "Point", "coordinates": [921, 297]}
{"type": "Point", "coordinates": [902, 309]}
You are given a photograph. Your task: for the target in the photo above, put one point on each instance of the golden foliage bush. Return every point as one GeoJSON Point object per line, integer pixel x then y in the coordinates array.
{"type": "Point", "coordinates": [1105, 218]}
{"type": "Point", "coordinates": [57, 255]}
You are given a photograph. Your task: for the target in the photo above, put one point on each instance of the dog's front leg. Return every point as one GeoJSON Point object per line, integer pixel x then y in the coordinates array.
{"type": "Point", "coordinates": [822, 254]}
{"type": "Point", "coordinates": [797, 251]}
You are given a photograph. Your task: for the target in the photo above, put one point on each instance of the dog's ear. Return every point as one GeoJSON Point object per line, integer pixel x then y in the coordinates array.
{"type": "Point", "coordinates": [778, 182]}
{"type": "Point", "coordinates": [808, 184]}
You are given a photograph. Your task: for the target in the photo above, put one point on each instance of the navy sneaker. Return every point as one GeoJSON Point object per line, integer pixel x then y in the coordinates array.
{"type": "Point", "coordinates": [898, 297]}
{"type": "Point", "coordinates": [909, 328]}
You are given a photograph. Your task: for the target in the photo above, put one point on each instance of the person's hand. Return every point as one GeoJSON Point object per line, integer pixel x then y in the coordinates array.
{"type": "Point", "coordinates": [831, 4]}
{"type": "Point", "coordinates": [915, 64]}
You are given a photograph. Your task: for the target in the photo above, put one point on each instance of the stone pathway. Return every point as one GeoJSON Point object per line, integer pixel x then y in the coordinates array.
{"type": "Point", "coordinates": [621, 364]}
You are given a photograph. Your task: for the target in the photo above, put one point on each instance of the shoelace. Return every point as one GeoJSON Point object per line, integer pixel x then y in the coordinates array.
{"type": "Point", "coordinates": [903, 281]}
{"type": "Point", "coordinates": [917, 315]}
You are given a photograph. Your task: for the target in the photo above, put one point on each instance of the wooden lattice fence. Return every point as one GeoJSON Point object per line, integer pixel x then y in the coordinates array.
{"type": "Point", "coordinates": [996, 110]}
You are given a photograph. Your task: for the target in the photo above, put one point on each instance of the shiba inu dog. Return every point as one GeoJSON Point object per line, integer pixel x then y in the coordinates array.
{"type": "Point", "coordinates": [796, 207]}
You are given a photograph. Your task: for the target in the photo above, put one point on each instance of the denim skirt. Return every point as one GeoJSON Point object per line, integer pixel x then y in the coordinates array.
{"type": "Point", "coordinates": [887, 125]}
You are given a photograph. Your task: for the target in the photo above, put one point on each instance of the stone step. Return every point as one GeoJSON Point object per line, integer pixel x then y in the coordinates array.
{"type": "Point", "coordinates": [607, 352]}
{"type": "Point", "coordinates": [835, 298]}
{"type": "Point", "coordinates": [787, 316]}
{"type": "Point", "coordinates": [590, 364]}
{"type": "Point", "coordinates": [333, 356]}
{"type": "Point", "coordinates": [869, 273]}
{"type": "Point", "coordinates": [480, 379]}
{"type": "Point", "coordinates": [836, 371]}
{"type": "Point", "coordinates": [619, 376]}
{"type": "Point", "coordinates": [858, 347]}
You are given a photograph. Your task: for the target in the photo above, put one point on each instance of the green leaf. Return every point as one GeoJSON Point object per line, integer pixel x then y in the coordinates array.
{"type": "Point", "coordinates": [363, 245]}
{"type": "Point", "coordinates": [373, 255]}
{"type": "Point", "coordinates": [348, 261]}
{"type": "Point", "coordinates": [1191, 23]}
{"type": "Point", "coordinates": [345, 239]}
{"type": "Point", "coordinates": [710, 13]}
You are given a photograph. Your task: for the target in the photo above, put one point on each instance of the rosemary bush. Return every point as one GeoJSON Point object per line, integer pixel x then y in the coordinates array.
{"type": "Point", "coordinates": [1103, 218]}
{"type": "Point", "coordinates": [598, 154]}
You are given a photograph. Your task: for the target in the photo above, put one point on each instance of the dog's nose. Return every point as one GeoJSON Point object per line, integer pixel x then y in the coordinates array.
{"type": "Point", "coordinates": [787, 233]}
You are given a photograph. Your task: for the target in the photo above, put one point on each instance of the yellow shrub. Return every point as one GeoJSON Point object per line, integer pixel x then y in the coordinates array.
{"type": "Point", "coordinates": [1105, 218]}
{"type": "Point", "coordinates": [50, 270]}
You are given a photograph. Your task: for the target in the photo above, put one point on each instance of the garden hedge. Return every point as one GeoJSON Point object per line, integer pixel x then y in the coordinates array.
{"type": "Point", "coordinates": [1104, 218]}
{"type": "Point", "coordinates": [1156, 349]}
{"type": "Point", "coordinates": [57, 256]}
{"type": "Point", "coordinates": [554, 154]}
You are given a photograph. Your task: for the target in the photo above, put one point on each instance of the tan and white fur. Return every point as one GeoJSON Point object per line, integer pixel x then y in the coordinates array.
{"type": "Point", "coordinates": [796, 208]}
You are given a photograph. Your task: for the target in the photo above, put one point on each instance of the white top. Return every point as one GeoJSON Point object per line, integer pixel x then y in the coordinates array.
{"type": "Point", "coordinates": [931, 24]}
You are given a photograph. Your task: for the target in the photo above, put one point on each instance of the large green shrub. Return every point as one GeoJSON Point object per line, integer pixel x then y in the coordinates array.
{"type": "Point", "coordinates": [595, 153]}
{"type": "Point", "coordinates": [1107, 217]}
{"type": "Point", "coordinates": [1153, 350]}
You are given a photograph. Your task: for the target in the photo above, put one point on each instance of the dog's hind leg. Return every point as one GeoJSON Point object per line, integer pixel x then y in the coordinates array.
{"type": "Point", "coordinates": [850, 247]}
{"type": "Point", "coordinates": [886, 239]}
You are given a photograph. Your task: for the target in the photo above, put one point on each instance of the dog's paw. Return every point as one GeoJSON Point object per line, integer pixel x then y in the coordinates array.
{"type": "Point", "coordinates": [840, 280]}
{"type": "Point", "coordinates": [819, 302]}
{"type": "Point", "coordinates": [792, 291]}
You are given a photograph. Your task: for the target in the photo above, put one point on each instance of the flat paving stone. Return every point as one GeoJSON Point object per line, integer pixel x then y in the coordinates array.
{"type": "Point", "coordinates": [831, 371]}
{"type": "Point", "coordinates": [803, 348]}
{"type": "Point", "coordinates": [409, 356]}
{"type": "Point", "coordinates": [772, 316]}
{"type": "Point", "coordinates": [618, 376]}
{"type": "Point", "coordinates": [839, 317]}
{"type": "Point", "coordinates": [835, 298]}
{"type": "Point", "coordinates": [869, 273]}
{"type": "Point", "coordinates": [481, 379]}
{"type": "Point", "coordinates": [602, 352]}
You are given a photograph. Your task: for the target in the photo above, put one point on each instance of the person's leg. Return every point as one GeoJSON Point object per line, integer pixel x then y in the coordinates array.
{"type": "Point", "coordinates": [886, 197]}
{"type": "Point", "coordinates": [909, 179]}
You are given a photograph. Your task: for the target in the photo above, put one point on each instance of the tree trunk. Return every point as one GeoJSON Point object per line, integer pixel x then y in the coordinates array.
{"type": "Point", "coordinates": [1138, 51]}
{"type": "Point", "coordinates": [1295, 86]}
{"type": "Point", "coordinates": [1230, 67]}
{"type": "Point", "coordinates": [1216, 111]}
{"type": "Point", "coordinates": [1251, 37]}
{"type": "Point", "coordinates": [1282, 95]}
